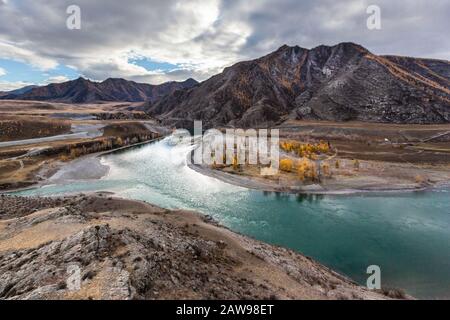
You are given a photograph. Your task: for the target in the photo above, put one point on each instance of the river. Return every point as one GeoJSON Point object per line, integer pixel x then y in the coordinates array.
{"type": "Point", "coordinates": [406, 234]}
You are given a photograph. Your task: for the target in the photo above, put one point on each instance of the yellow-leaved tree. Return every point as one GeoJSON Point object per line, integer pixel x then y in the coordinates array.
{"type": "Point", "coordinates": [286, 165]}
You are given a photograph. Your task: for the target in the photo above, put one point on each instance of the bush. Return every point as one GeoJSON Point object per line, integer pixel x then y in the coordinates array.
{"type": "Point", "coordinates": [419, 179]}
{"type": "Point", "coordinates": [286, 165]}
{"type": "Point", "coordinates": [326, 170]}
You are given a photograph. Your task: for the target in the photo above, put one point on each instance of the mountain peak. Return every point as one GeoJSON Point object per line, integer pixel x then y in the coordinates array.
{"type": "Point", "coordinates": [283, 47]}
{"type": "Point", "coordinates": [341, 45]}
{"type": "Point", "coordinates": [353, 46]}
{"type": "Point", "coordinates": [116, 80]}
{"type": "Point", "coordinates": [336, 83]}
{"type": "Point", "coordinates": [286, 47]}
{"type": "Point", "coordinates": [80, 79]}
{"type": "Point", "coordinates": [190, 81]}
{"type": "Point", "coordinates": [82, 90]}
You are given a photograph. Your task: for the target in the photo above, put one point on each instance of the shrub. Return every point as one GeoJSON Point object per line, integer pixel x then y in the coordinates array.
{"type": "Point", "coordinates": [326, 170]}
{"type": "Point", "coordinates": [337, 164]}
{"type": "Point", "coordinates": [119, 141]}
{"type": "Point", "coordinates": [286, 165]}
{"type": "Point", "coordinates": [419, 179]}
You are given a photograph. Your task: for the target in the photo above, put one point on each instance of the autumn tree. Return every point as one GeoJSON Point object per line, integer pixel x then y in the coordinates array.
{"type": "Point", "coordinates": [286, 165]}
{"type": "Point", "coordinates": [119, 141]}
{"type": "Point", "coordinates": [326, 169]}
{"type": "Point", "coordinates": [302, 169]}
{"type": "Point", "coordinates": [235, 162]}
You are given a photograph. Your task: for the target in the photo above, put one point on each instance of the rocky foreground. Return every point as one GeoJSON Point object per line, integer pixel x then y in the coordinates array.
{"type": "Point", "coordinates": [125, 249]}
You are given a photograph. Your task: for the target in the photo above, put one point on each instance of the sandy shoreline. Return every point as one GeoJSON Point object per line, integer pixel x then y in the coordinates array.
{"type": "Point", "coordinates": [87, 167]}
{"type": "Point", "coordinates": [270, 186]}
{"type": "Point", "coordinates": [250, 183]}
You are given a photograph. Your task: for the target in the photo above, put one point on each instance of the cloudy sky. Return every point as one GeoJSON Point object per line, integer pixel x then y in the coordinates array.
{"type": "Point", "coordinates": [159, 40]}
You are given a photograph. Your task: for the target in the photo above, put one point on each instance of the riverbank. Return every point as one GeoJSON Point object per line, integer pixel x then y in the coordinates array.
{"type": "Point", "coordinates": [127, 249]}
{"type": "Point", "coordinates": [370, 177]}
{"type": "Point", "coordinates": [362, 184]}
{"type": "Point", "coordinates": [35, 164]}
{"type": "Point", "coordinates": [89, 167]}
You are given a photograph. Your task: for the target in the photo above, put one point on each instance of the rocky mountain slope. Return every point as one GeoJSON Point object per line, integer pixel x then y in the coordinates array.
{"type": "Point", "coordinates": [100, 247]}
{"type": "Point", "coordinates": [338, 83]}
{"type": "Point", "coordinates": [85, 91]}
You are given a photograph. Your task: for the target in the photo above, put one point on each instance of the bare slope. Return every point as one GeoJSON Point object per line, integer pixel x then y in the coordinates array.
{"type": "Point", "coordinates": [337, 83]}
{"type": "Point", "coordinates": [86, 91]}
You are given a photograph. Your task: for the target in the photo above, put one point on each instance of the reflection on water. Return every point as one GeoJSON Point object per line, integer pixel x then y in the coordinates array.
{"type": "Point", "coordinates": [407, 234]}
{"type": "Point", "coordinates": [310, 198]}
{"type": "Point", "coordinates": [300, 198]}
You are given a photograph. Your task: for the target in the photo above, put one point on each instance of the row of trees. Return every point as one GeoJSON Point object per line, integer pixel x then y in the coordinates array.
{"type": "Point", "coordinates": [103, 144]}
{"type": "Point", "coordinates": [308, 150]}
{"type": "Point", "coordinates": [306, 169]}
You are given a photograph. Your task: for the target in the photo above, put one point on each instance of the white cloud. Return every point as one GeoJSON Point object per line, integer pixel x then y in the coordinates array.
{"type": "Point", "coordinates": [202, 37]}
{"type": "Point", "coordinates": [2, 72]}
{"type": "Point", "coordinates": [189, 34]}
{"type": "Point", "coordinates": [12, 85]}
{"type": "Point", "coordinates": [57, 79]}
{"type": "Point", "coordinates": [15, 52]}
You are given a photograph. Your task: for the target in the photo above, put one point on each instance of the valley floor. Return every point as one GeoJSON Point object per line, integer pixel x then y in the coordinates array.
{"type": "Point", "coordinates": [126, 249]}
{"type": "Point", "coordinates": [38, 138]}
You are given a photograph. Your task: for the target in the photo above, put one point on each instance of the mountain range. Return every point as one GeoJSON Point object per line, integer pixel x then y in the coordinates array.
{"type": "Point", "coordinates": [337, 83]}
{"type": "Point", "coordinates": [85, 91]}
{"type": "Point", "coordinates": [19, 91]}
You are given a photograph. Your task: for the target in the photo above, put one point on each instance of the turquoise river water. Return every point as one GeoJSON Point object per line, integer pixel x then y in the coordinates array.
{"type": "Point", "coordinates": [406, 234]}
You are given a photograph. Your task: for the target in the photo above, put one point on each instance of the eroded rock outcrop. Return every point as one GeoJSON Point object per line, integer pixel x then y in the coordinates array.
{"type": "Point", "coordinates": [99, 247]}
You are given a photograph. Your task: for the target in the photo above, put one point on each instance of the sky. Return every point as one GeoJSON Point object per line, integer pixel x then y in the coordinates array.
{"type": "Point", "coordinates": [154, 41]}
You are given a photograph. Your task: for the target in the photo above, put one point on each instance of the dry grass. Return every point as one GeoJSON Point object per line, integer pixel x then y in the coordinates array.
{"type": "Point", "coordinates": [29, 129]}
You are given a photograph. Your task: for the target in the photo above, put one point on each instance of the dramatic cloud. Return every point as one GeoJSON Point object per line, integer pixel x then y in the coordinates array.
{"type": "Point", "coordinates": [201, 37]}
{"type": "Point", "coordinates": [57, 79]}
{"type": "Point", "coordinates": [14, 51]}
{"type": "Point", "coordinates": [2, 72]}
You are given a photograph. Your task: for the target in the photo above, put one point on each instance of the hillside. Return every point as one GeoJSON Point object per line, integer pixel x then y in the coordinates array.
{"type": "Point", "coordinates": [131, 250]}
{"type": "Point", "coordinates": [339, 83]}
{"type": "Point", "coordinates": [86, 91]}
